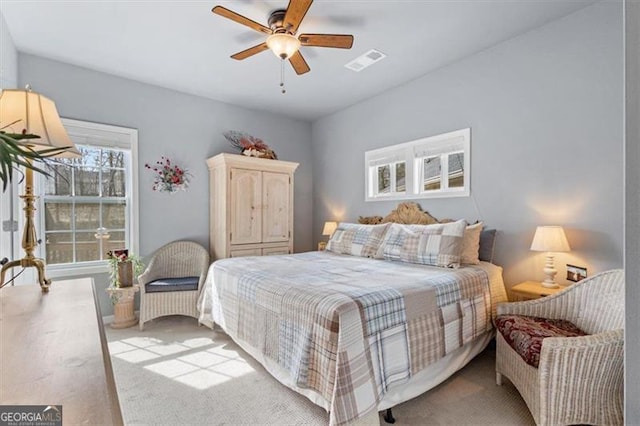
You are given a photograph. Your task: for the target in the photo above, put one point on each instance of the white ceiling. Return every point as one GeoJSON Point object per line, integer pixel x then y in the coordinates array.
{"type": "Point", "coordinates": [183, 46]}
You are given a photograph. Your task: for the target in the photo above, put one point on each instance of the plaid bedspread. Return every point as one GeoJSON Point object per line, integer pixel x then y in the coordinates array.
{"type": "Point", "coordinates": [348, 328]}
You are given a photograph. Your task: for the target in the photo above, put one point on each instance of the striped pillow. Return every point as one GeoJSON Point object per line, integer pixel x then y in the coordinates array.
{"type": "Point", "coordinates": [435, 245]}
{"type": "Point", "coordinates": [356, 239]}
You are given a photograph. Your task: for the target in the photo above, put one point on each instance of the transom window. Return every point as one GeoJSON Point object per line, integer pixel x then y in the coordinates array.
{"type": "Point", "coordinates": [88, 206]}
{"type": "Point", "coordinates": [439, 166]}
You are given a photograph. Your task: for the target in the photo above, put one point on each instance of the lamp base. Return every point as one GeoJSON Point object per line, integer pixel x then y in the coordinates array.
{"type": "Point", "coordinates": [550, 285]}
{"type": "Point", "coordinates": [29, 239]}
{"type": "Point", "coordinates": [550, 271]}
{"type": "Point", "coordinates": [28, 262]}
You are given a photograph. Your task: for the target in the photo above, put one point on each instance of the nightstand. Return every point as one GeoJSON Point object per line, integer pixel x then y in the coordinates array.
{"type": "Point", "coordinates": [532, 290]}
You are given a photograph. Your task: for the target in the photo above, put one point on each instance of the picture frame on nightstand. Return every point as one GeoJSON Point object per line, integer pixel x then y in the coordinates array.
{"type": "Point", "coordinates": [576, 273]}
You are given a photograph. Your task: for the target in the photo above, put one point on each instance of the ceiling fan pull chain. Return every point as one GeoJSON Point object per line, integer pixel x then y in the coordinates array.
{"type": "Point", "coordinates": [282, 76]}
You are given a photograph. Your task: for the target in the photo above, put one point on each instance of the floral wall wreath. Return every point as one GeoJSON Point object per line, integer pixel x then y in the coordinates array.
{"type": "Point", "coordinates": [168, 177]}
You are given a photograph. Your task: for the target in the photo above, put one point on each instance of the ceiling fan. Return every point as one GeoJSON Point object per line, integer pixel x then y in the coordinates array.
{"type": "Point", "coordinates": [282, 39]}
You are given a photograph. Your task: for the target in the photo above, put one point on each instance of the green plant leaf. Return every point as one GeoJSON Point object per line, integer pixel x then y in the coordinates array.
{"type": "Point", "coordinates": [13, 153]}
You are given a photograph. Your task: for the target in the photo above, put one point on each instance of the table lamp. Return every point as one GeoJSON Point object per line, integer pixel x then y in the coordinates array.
{"type": "Point", "coordinates": [24, 111]}
{"type": "Point", "coordinates": [328, 230]}
{"type": "Point", "coordinates": [550, 239]}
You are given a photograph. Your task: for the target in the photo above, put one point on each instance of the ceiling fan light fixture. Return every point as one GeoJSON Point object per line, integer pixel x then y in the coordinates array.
{"type": "Point", "coordinates": [283, 45]}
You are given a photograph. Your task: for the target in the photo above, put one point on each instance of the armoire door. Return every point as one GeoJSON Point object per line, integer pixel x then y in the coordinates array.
{"type": "Point", "coordinates": [276, 207]}
{"type": "Point", "coordinates": [246, 202]}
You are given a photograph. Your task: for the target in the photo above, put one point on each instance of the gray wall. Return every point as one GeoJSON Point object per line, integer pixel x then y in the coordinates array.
{"type": "Point", "coordinates": [545, 110]}
{"type": "Point", "coordinates": [184, 127]}
{"type": "Point", "coordinates": [8, 58]}
{"type": "Point", "coordinates": [632, 216]}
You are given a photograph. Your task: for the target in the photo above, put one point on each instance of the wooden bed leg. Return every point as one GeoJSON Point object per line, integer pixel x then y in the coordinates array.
{"type": "Point", "coordinates": [388, 417]}
{"type": "Point", "coordinates": [498, 379]}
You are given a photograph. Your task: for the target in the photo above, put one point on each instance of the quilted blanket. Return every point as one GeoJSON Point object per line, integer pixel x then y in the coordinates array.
{"type": "Point", "coordinates": [346, 328]}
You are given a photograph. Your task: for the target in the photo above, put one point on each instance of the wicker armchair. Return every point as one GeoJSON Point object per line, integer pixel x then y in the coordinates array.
{"type": "Point", "coordinates": [579, 380]}
{"type": "Point", "coordinates": [172, 282]}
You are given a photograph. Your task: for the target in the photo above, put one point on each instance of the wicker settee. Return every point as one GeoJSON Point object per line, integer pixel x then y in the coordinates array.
{"type": "Point", "coordinates": [579, 380]}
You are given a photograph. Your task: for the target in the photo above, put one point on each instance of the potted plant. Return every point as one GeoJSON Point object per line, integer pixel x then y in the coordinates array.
{"type": "Point", "coordinates": [123, 268]}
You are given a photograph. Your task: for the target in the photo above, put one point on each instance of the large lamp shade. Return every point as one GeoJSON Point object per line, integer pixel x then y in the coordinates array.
{"type": "Point", "coordinates": [550, 238]}
{"type": "Point", "coordinates": [31, 113]}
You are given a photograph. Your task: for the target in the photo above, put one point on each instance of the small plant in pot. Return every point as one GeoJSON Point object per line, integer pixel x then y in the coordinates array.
{"type": "Point", "coordinates": [123, 268]}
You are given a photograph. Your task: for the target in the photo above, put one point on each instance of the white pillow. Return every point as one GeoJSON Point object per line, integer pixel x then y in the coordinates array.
{"type": "Point", "coordinates": [471, 244]}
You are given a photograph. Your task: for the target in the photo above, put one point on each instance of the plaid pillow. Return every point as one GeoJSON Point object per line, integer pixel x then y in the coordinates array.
{"type": "Point", "coordinates": [435, 245]}
{"type": "Point", "coordinates": [356, 239]}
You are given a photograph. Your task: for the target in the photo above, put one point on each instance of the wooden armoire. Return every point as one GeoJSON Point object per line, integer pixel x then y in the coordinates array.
{"type": "Point", "coordinates": [250, 206]}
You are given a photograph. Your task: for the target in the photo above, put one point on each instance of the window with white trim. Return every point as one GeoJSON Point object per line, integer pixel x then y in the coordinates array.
{"type": "Point", "coordinates": [439, 166]}
{"type": "Point", "coordinates": [89, 204]}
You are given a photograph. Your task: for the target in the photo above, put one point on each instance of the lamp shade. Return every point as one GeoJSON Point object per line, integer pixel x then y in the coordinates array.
{"type": "Point", "coordinates": [31, 113]}
{"type": "Point", "coordinates": [329, 228]}
{"type": "Point", "coordinates": [550, 239]}
{"type": "Point", "coordinates": [283, 45]}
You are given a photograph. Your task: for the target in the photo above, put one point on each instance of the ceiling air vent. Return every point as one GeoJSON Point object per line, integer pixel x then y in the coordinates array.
{"type": "Point", "coordinates": [366, 60]}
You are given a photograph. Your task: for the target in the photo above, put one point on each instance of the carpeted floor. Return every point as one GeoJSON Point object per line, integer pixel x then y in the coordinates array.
{"type": "Point", "coordinates": [175, 372]}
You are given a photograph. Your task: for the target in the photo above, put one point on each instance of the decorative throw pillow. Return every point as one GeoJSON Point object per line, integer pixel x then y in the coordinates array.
{"type": "Point", "coordinates": [487, 245]}
{"type": "Point", "coordinates": [356, 239]}
{"type": "Point", "coordinates": [471, 244]}
{"type": "Point", "coordinates": [435, 245]}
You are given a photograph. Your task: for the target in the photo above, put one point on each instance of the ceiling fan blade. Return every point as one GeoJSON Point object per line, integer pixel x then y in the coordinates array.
{"type": "Point", "coordinates": [299, 64]}
{"type": "Point", "coordinates": [229, 14]}
{"type": "Point", "coordinates": [250, 51]}
{"type": "Point", "coordinates": [340, 41]}
{"type": "Point", "coordinates": [295, 14]}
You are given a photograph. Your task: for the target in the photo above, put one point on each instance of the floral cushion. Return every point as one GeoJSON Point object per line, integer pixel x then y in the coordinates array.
{"type": "Point", "coordinates": [525, 334]}
{"type": "Point", "coordinates": [356, 239]}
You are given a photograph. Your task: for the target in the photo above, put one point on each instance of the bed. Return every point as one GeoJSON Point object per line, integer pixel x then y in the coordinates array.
{"type": "Point", "coordinates": [353, 334]}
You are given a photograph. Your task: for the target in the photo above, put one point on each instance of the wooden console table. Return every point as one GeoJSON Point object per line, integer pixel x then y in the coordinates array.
{"type": "Point", "coordinates": [53, 351]}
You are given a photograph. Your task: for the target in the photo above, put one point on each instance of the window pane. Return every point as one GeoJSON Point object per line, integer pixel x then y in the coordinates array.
{"type": "Point", "coordinates": [59, 248]}
{"type": "Point", "coordinates": [456, 170]}
{"type": "Point", "coordinates": [112, 159]}
{"type": "Point", "coordinates": [60, 181]}
{"type": "Point", "coordinates": [57, 216]}
{"type": "Point", "coordinates": [384, 179]}
{"type": "Point", "coordinates": [400, 177]}
{"type": "Point", "coordinates": [87, 216]}
{"type": "Point", "coordinates": [116, 241]}
{"type": "Point", "coordinates": [87, 247]}
{"type": "Point", "coordinates": [431, 173]}
{"type": "Point", "coordinates": [113, 183]}
{"type": "Point", "coordinates": [86, 181]}
{"type": "Point", "coordinates": [113, 216]}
